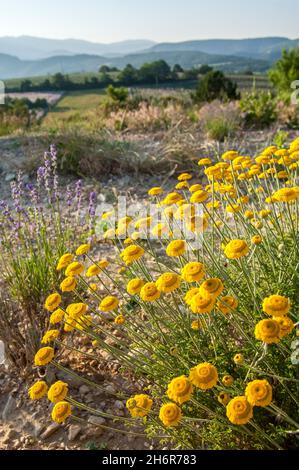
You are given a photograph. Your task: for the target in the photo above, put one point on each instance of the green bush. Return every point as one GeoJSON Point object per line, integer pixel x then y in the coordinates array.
{"type": "Point", "coordinates": [285, 72]}
{"type": "Point", "coordinates": [259, 109]}
{"type": "Point", "coordinates": [215, 85]}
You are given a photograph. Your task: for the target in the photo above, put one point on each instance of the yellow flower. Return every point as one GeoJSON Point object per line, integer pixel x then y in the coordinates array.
{"type": "Point", "coordinates": [159, 230]}
{"type": "Point", "coordinates": [172, 198]}
{"type": "Point", "coordinates": [119, 320]}
{"type": "Point", "coordinates": [74, 311]}
{"type": "Point", "coordinates": [107, 215]}
{"type": "Point", "coordinates": [74, 269]}
{"type": "Point", "coordinates": [236, 249]}
{"type": "Point", "coordinates": [149, 292]}
{"type": "Point", "coordinates": [286, 325]}
{"type": "Point", "coordinates": [155, 191]}
{"type": "Point", "coordinates": [233, 208]}
{"type": "Point", "coordinates": [50, 336]}
{"type": "Point", "coordinates": [139, 405]}
{"type": "Point", "coordinates": [285, 195]}
{"type": "Point", "coordinates": [38, 390]}
{"type": "Point", "coordinates": [109, 234]}
{"type": "Point", "coordinates": [227, 304]}
{"type": "Point", "coordinates": [248, 215]}
{"type": "Point", "coordinates": [204, 162]}
{"type": "Point", "coordinates": [276, 305]}
{"type": "Point", "coordinates": [57, 316]}
{"type": "Point", "coordinates": [132, 253]}
{"type": "Point", "coordinates": [230, 155]}
{"type": "Point", "coordinates": [224, 398]}
{"type": "Point", "coordinates": [61, 411]}
{"type": "Point", "coordinates": [204, 376]}
{"type": "Point", "coordinates": [195, 187]}
{"type": "Point", "coordinates": [239, 411]}
{"type": "Point", "coordinates": [176, 248]}
{"type": "Point", "coordinates": [64, 261]}
{"type": "Point", "coordinates": [184, 177]}
{"type": "Point", "coordinates": [170, 414]}
{"type": "Point", "coordinates": [43, 356]}
{"type": "Point", "coordinates": [109, 303]}
{"type": "Point", "coordinates": [211, 287]}
{"type": "Point", "coordinates": [268, 331]}
{"type": "Point", "coordinates": [83, 249]}
{"type": "Point", "coordinates": [134, 286]}
{"type": "Point", "coordinates": [256, 240]}
{"type": "Point", "coordinates": [180, 389]}
{"type": "Point", "coordinates": [239, 359]}
{"type": "Point", "coordinates": [190, 294]}
{"type": "Point", "coordinates": [264, 213]}
{"type": "Point", "coordinates": [68, 284]}
{"type": "Point", "coordinates": [58, 391]}
{"type": "Point", "coordinates": [199, 196]}
{"type": "Point", "coordinates": [143, 223]}
{"type": "Point", "coordinates": [168, 282]}
{"type": "Point", "coordinates": [227, 380]}
{"type": "Point", "coordinates": [93, 270]}
{"type": "Point", "coordinates": [52, 302]}
{"type": "Point", "coordinates": [196, 325]}
{"type": "Point", "coordinates": [182, 185]}
{"type": "Point", "coordinates": [202, 303]}
{"type": "Point", "coordinates": [193, 272]}
{"type": "Point", "coordinates": [259, 393]}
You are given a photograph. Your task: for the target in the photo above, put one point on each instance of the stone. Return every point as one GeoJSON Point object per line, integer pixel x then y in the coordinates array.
{"type": "Point", "coordinates": [73, 432]}
{"type": "Point", "coordinates": [9, 408]}
{"type": "Point", "coordinates": [9, 177]}
{"type": "Point", "coordinates": [110, 389]}
{"type": "Point", "coordinates": [84, 390]}
{"type": "Point", "coordinates": [38, 429]}
{"type": "Point", "coordinates": [98, 420]}
{"type": "Point", "coordinates": [119, 405]}
{"type": "Point", "coordinates": [52, 429]}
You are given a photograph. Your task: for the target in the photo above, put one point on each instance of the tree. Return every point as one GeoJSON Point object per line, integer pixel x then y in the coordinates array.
{"type": "Point", "coordinates": [128, 76]}
{"type": "Point", "coordinates": [117, 94]}
{"type": "Point", "coordinates": [204, 69]}
{"type": "Point", "coordinates": [177, 69]}
{"type": "Point", "coordinates": [155, 72]}
{"type": "Point", "coordinates": [104, 69]}
{"type": "Point", "coordinates": [105, 79]}
{"type": "Point", "coordinates": [285, 72]}
{"type": "Point", "coordinates": [26, 85]}
{"type": "Point", "coordinates": [215, 85]}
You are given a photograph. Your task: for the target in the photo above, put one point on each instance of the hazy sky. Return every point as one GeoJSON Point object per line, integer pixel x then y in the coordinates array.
{"type": "Point", "coordinates": [160, 20]}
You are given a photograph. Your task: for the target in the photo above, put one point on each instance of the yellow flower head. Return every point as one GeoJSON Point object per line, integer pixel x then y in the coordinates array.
{"type": "Point", "coordinates": [38, 390]}
{"type": "Point", "coordinates": [52, 302]}
{"type": "Point", "coordinates": [56, 316]}
{"type": "Point", "coordinates": [205, 162]}
{"type": "Point", "coordinates": [139, 405]}
{"type": "Point", "coordinates": [64, 261]}
{"type": "Point", "coordinates": [68, 284]}
{"type": "Point", "coordinates": [201, 304]}
{"type": "Point", "coordinates": [195, 187]}
{"type": "Point", "coordinates": [74, 269]}
{"type": "Point", "coordinates": [212, 287]}
{"type": "Point", "coordinates": [239, 359]}
{"type": "Point", "coordinates": [248, 215]}
{"type": "Point", "coordinates": [83, 249]}
{"type": "Point", "coordinates": [182, 185]}
{"type": "Point", "coordinates": [58, 391]}
{"type": "Point", "coordinates": [134, 286]}
{"type": "Point", "coordinates": [176, 248]}
{"type": "Point", "coordinates": [180, 389]}
{"type": "Point", "coordinates": [184, 177]}
{"type": "Point", "coordinates": [170, 414]}
{"type": "Point", "coordinates": [259, 393]}
{"type": "Point", "coordinates": [43, 356]}
{"type": "Point", "coordinates": [197, 325]}
{"type": "Point", "coordinates": [268, 331]}
{"type": "Point", "coordinates": [230, 155]}
{"type": "Point", "coordinates": [156, 191]}
{"type": "Point", "coordinates": [50, 336]}
{"type": "Point", "coordinates": [204, 376]}
{"type": "Point", "coordinates": [149, 292]}
{"type": "Point", "coordinates": [256, 240]}
{"type": "Point", "coordinates": [93, 270]}
{"type": "Point", "coordinates": [227, 380]}
{"type": "Point", "coordinates": [119, 320]}
{"type": "Point", "coordinates": [286, 325]}
{"type": "Point", "coordinates": [236, 249]}
{"type": "Point", "coordinates": [239, 410]}
{"type": "Point", "coordinates": [285, 195]}
{"type": "Point", "coordinates": [199, 197]}
{"type": "Point", "coordinates": [168, 282]}
{"type": "Point", "coordinates": [172, 198]}
{"type": "Point", "coordinates": [224, 398]}
{"type": "Point", "coordinates": [61, 411]}
{"type": "Point", "coordinates": [227, 304]}
{"type": "Point", "coordinates": [132, 253]}
{"type": "Point", "coordinates": [190, 294]}
{"type": "Point", "coordinates": [109, 303]}
{"type": "Point", "coordinates": [276, 305]}
{"type": "Point", "coordinates": [193, 272]}
{"type": "Point", "coordinates": [74, 311]}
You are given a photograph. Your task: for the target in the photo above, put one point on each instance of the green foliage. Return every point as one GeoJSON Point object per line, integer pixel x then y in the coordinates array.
{"type": "Point", "coordinates": [215, 85]}
{"type": "Point", "coordinates": [284, 72]}
{"type": "Point", "coordinates": [219, 128]}
{"type": "Point", "coordinates": [119, 95]}
{"type": "Point", "coordinates": [259, 109]}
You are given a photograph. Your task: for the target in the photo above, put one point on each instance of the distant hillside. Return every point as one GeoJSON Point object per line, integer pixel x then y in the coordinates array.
{"type": "Point", "coordinates": [268, 49]}
{"type": "Point", "coordinates": [32, 48]}
{"type": "Point", "coordinates": [12, 67]}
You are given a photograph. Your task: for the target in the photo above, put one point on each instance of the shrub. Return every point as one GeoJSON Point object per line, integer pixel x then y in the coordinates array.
{"type": "Point", "coordinates": [215, 85]}
{"type": "Point", "coordinates": [202, 312]}
{"type": "Point", "coordinates": [285, 72]}
{"type": "Point", "coordinates": [259, 108]}
{"type": "Point", "coordinates": [220, 121]}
